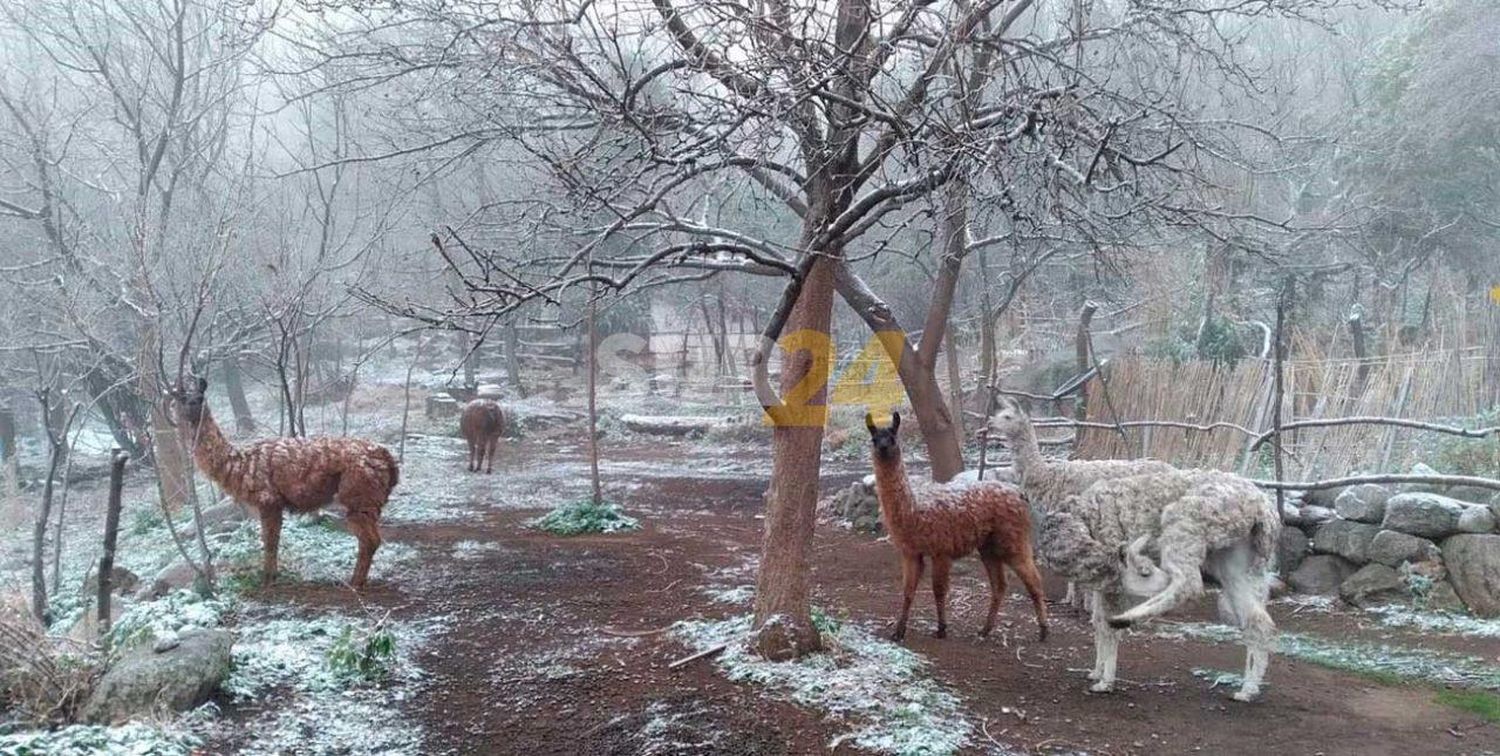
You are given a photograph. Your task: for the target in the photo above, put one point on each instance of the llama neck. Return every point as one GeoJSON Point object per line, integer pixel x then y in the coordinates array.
{"type": "Point", "coordinates": [215, 456]}
{"type": "Point", "coordinates": [1027, 452]}
{"type": "Point", "coordinates": [894, 491]}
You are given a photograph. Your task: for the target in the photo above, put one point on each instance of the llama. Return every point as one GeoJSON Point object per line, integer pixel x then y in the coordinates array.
{"type": "Point", "coordinates": [1045, 485]}
{"type": "Point", "coordinates": [1200, 522]}
{"type": "Point", "coordinates": [946, 522]}
{"type": "Point", "coordinates": [481, 425]}
{"type": "Point", "coordinates": [297, 474]}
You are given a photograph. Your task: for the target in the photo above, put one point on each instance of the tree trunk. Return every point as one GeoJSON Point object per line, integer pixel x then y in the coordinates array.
{"type": "Point", "coordinates": [39, 539]}
{"type": "Point", "coordinates": [593, 388]}
{"type": "Point", "coordinates": [513, 359]}
{"type": "Point", "coordinates": [988, 350]}
{"type": "Point", "coordinates": [234, 384]}
{"type": "Point", "coordinates": [8, 437]}
{"type": "Point", "coordinates": [920, 382]}
{"type": "Point", "coordinates": [1085, 358]}
{"type": "Point", "coordinates": [466, 345]}
{"type": "Point", "coordinates": [783, 613]}
{"type": "Point", "coordinates": [955, 385]}
{"type": "Point", "coordinates": [111, 535]}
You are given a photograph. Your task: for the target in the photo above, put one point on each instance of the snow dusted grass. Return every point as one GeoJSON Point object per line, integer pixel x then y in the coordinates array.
{"type": "Point", "coordinates": [170, 615]}
{"type": "Point", "coordinates": [326, 708]}
{"type": "Point", "coordinates": [878, 688]}
{"type": "Point", "coordinates": [314, 549]}
{"type": "Point", "coordinates": [1438, 622]}
{"type": "Point", "coordinates": [474, 549]}
{"type": "Point", "coordinates": [739, 595]}
{"type": "Point", "coordinates": [1379, 662]}
{"type": "Point", "coordinates": [89, 740]}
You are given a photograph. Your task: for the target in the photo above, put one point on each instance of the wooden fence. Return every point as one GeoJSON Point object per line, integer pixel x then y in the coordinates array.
{"type": "Point", "coordinates": [1432, 385]}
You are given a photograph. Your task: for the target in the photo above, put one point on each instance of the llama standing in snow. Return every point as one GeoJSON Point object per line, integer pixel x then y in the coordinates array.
{"type": "Point", "coordinates": [948, 521]}
{"type": "Point", "coordinates": [1198, 521]}
{"type": "Point", "coordinates": [481, 425]}
{"type": "Point", "coordinates": [297, 474]}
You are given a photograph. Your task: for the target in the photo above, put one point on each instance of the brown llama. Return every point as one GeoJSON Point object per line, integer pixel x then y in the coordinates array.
{"type": "Point", "coordinates": [949, 521]}
{"type": "Point", "coordinates": [293, 474]}
{"type": "Point", "coordinates": [481, 425]}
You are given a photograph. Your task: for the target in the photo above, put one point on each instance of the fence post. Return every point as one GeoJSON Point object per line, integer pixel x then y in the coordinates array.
{"type": "Point", "coordinates": [111, 535]}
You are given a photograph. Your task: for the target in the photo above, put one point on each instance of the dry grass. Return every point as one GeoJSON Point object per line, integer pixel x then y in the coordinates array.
{"type": "Point", "coordinates": [39, 683]}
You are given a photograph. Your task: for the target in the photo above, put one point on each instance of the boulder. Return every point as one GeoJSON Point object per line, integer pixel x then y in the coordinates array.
{"type": "Point", "coordinates": [173, 577]}
{"type": "Point", "coordinates": [1315, 515]}
{"type": "Point", "coordinates": [1471, 494]}
{"type": "Point", "coordinates": [1320, 574]}
{"type": "Point", "coordinates": [1291, 550]}
{"type": "Point", "coordinates": [1476, 519]}
{"type": "Point", "coordinates": [1391, 548]}
{"type": "Point", "coordinates": [165, 677]}
{"type": "Point", "coordinates": [220, 519]}
{"type": "Point", "coordinates": [1350, 540]}
{"type": "Point", "coordinates": [1473, 563]}
{"type": "Point", "coordinates": [1373, 585]}
{"type": "Point", "coordinates": [1364, 503]}
{"type": "Point", "coordinates": [1427, 580]}
{"type": "Point", "coordinates": [121, 581]}
{"type": "Point", "coordinates": [440, 406]}
{"type": "Point", "coordinates": [1324, 498]}
{"type": "Point", "coordinates": [489, 391]}
{"type": "Point", "coordinates": [1421, 469]}
{"type": "Point", "coordinates": [1423, 514]}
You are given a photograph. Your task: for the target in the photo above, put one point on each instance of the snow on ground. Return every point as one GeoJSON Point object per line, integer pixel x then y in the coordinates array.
{"type": "Point", "coordinates": [879, 690]}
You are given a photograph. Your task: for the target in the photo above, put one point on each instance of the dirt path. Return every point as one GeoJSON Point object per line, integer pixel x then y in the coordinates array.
{"type": "Point", "coordinates": [539, 657]}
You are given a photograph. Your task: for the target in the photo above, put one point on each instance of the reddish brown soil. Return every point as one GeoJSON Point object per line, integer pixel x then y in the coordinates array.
{"type": "Point", "coordinates": [538, 595]}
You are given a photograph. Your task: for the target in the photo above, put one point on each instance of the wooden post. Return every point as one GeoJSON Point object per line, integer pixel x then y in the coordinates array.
{"type": "Point", "coordinates": [111, 535]}
{"type": "Point", "coordinates": [7, 435]}
{"type": "Point", "coordinates": [1279, 393]}
{"type": "Point", "coordinates": [593, 387]}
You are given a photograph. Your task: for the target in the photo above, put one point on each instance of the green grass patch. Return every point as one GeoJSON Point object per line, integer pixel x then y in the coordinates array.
{"type": "Point", "coordinates": [584, 516]}
{"type": "Point", "coordinates": [1484, 705]}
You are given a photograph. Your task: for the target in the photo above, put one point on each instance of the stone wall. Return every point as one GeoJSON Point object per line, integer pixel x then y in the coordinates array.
{"type": "Point", "coordinates": [1371, 544]}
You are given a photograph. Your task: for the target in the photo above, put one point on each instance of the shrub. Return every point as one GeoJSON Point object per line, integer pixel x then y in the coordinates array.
{"type": "Point", "coordinates": [1456, 455]}
{"type": "Point", "coordinates": [584, 516]}
{"type": "Point", "coordinates": [367, 656]}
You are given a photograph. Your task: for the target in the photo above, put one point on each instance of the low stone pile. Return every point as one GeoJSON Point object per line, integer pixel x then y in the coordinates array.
{"type": "Point", "coordinates": [855, 505]}
{"type": "Point", "coordinates": [1373, 544]}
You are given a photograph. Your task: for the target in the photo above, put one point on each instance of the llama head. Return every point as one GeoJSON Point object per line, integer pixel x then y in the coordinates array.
{"type": "Point", "coordinates": [188, 401]}
{"type": "Point", "coordinates": [883, 440]}
{"type": "Point", "coordinates": [1139, 574]}
{"type": "Point", "coordinates": [1009, 421]}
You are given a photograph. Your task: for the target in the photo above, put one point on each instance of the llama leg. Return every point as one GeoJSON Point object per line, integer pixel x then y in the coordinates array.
{"type": "Point", "coordinates": [1025, 569]}
{"type": "Point", "coordinates": [1242, 602]}
{"type": "Point", "coordinates": [493, 444]}
{"type": "Point", "coordinates": [270, 539]}
{"type": "Point", "coordinates": [1106, 643]}
{"type": "Point", "coordinates": [911, 574]}
{"type": "Point", "coordinates": [940, 568]}
{"type": "Point", "coordinates": [366, 527]}
{"type": "Point", "coordinates": [994, 568]}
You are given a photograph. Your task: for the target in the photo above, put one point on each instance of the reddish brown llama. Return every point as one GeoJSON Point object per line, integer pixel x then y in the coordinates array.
{"type": "Point", "coordinates": [293, 474]}
{"type": "Point", "coordinates": [945, 522]}
{"type": "Point", "coordinates": [481, 425]}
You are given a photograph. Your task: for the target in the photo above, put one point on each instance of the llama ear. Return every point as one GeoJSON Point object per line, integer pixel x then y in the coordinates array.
{"type": "Point", "coordinates": [870, 422]}
{"type": "Point", "coordinates": [895, 421]}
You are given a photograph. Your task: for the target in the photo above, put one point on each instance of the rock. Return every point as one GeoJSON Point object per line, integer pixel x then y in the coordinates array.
{"type": "Point", "coordinates": [1391, 548]}
{"type": "Point", "coordinates": [1476, 519]}
{"type": "Point", "coordinates": [1364, 503]}
{"type": "Point", "coordinates": [1277, 587]}
{"type": "Point", "coordinates": [1473, 564]}
{"type": "Point", "coordinates": [122, 581]}
{"type": "Point", "coordinates": [1320, 574]}
{"type": "Point", "coordinates": [1471, 494]}
{"type": "Point", "coordinates": [86, 629]}
{"type": "Point", "coordinates": [1323, 499]}
{"type": "Point", "coordinates": [1421, 469]}
{"type": "Point", "coordinates": [1291, 550]}
{"type": "Point", "coordinates": [1423, 514]}
{"type": "Point", "coordinates": [220, 519]}
{"type": "Point", "coordinates": [489, 391]}
{"type": "Point", "coordinates": [1350, 540]}
{"type": "Point", "coordinates": [173, 577]}
{"type": "Point", "coordinates": [440, 406]}
{"type": "Point", "coordinates": [1427, 580]}
{"type": "Point", "coordinates": [1001, 474]}
{"type": "Point", "coordinates": [1373, 585]}
{"type": "Point", "coordinates": [1314, 515]}
{"type": "Point", "coordinates": [145, 683]}
{"type": "Point", "coordinates": [1495, 506]}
